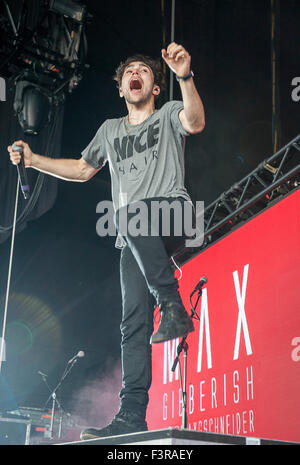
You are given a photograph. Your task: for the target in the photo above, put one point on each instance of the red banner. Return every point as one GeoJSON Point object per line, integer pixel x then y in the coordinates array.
{"type": "Point", "coordinates": [243, 359]}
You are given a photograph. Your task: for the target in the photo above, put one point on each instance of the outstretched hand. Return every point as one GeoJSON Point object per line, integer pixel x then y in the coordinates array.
{"type": "Point", "coordinates": [15, 157]}
{"type": "Point", "coordinates": [177, 58]}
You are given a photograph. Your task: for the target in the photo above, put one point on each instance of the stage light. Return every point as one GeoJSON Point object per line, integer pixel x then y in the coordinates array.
{"type": "Point", "coordinates": [32, 105]}
{"type": "Point", "coordinates": [69, 9]}
{"type": "Point", "coordinates": [51, 60]}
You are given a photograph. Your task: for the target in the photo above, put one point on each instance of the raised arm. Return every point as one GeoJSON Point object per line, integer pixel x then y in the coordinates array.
{"type": "Point", "coordinates": [77, 170]}
{"type": "Point", "coordinates": [192, 117]}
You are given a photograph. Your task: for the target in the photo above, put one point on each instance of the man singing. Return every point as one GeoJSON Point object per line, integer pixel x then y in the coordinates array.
{"type": "Point", "coordinates": [145, 152]}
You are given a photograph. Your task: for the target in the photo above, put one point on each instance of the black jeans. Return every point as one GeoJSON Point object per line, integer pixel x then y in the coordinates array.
{"type": "Point", "coordinates": [147, 279]}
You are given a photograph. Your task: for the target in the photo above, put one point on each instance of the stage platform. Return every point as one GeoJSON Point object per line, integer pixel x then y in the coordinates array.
{"type": "Point", "coordinates": [176, 437]}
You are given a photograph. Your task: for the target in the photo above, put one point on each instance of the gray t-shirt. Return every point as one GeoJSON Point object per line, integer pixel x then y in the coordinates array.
{"type": "Point", "coordinates": [145, 160]}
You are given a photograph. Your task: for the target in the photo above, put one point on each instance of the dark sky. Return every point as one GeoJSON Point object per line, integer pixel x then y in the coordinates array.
{"type": "Point", "coordinates": [65, 283]}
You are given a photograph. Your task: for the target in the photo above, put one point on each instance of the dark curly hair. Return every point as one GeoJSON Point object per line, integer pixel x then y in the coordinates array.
{"type": "Point", "coordinates": [155, 65]}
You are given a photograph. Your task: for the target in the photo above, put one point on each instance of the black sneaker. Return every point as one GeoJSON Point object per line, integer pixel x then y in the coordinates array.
{"type": "Point", "coordinates": [175, 322]}
{"type": "Point", "coordinates": [123, 423]}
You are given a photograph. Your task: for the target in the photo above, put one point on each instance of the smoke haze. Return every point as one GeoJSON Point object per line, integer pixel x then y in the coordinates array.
{"type": "Point", "coordinates": [97, 403]}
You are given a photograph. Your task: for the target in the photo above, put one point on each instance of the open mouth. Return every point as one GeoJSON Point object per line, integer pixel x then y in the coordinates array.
{"type": "Point", "coordinates": [135, 84]}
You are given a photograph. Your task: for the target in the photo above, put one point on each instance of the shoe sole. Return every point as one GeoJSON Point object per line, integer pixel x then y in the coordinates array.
{"type": "Point", "coordinates": [86, 436]}
{"type": "Point", "coordinates": [158, 339]}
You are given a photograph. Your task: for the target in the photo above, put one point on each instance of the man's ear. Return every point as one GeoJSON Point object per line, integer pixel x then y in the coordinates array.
{"type": "Point", "coordinates": [121, 92]}
{"type": "Point", "coordinates": [156, 90]}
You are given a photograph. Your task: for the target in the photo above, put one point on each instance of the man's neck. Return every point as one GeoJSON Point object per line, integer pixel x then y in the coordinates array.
{"type": "Point", "coordinates": [139, 113]}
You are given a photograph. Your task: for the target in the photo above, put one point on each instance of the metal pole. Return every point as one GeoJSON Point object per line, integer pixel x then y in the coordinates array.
{"type": "Point", "coordinates": [275, 37]}
{"type": "Point", "coordinates": [172, 40]}
{"type": "Point", "coordinates": [184, 394]}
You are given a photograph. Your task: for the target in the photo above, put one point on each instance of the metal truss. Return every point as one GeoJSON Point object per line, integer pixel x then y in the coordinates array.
{"type": "Point", "coordinates": [273, 179]}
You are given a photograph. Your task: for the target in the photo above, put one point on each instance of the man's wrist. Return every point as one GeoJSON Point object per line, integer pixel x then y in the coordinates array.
{"type": "Point", "coordinates": [34, 160]}
{"type": "Point", "coordinates": [186, 77]}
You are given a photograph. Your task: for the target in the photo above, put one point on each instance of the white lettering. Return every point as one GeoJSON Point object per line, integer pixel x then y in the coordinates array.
{"type": "Point", "coordinates": [170, 350]}
{"type": "Point", "coordinates": [232, 423]}
{"type": "Point", "coordinates": [296, 91]}
{"type": "Point", "coordinates": [238, 423]}
{"type": "Point", "coordinates": [180, 403]}
{"type": "Point", "coordinates": [242, 322]}
{"type": "Point", "coordinates": [249, 383]}
{"type": "Point", "coordinates": [204, 320]}
{"type": "Point", "coordinates": [2, 90]}
{"type": "Point", "coordinates": [165, 408]}
{"type": "Point", "coordinates": [201, 397]}
{"type": "Point", "coordinates": [191, 399]}
{"type": "Point", "coordinates": [173, 402]}
{"type": "Point", "coordinates": [213, 393]}
{"type": "Point", "coordinates": [296, 352]}
{"type": "Point", "coordinates": [236, 394]}
{"type": "Point", "coordinates": [244, 422]}
{"type": "Point", "coordinates": [105, 225]}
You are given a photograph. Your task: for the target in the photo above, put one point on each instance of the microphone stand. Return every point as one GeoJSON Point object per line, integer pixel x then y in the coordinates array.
{"type": "Point", "coordinates": [183, 346]}
{"type": "Point", "coordinates": [53, 396]}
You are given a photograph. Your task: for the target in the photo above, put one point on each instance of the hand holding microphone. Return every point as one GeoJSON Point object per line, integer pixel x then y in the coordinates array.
{"type": "Point", "coordinates": [21, 156]}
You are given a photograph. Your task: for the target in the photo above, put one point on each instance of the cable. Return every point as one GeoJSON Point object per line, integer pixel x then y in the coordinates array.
{"type": "Point", "coordinates": [180, 270]}
{"type": "Point", "coordinates": [29, 205]}
{"type": "Point", "coordinates": [9, 274]}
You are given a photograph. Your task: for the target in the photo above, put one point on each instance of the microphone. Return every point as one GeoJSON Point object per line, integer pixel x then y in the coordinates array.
{"type": "Point", "coordinates": [201, 283]}
{"type": "Point", "coordinates": [22, 173]}
{"type": "Point", "coordinates": [79, 355]}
